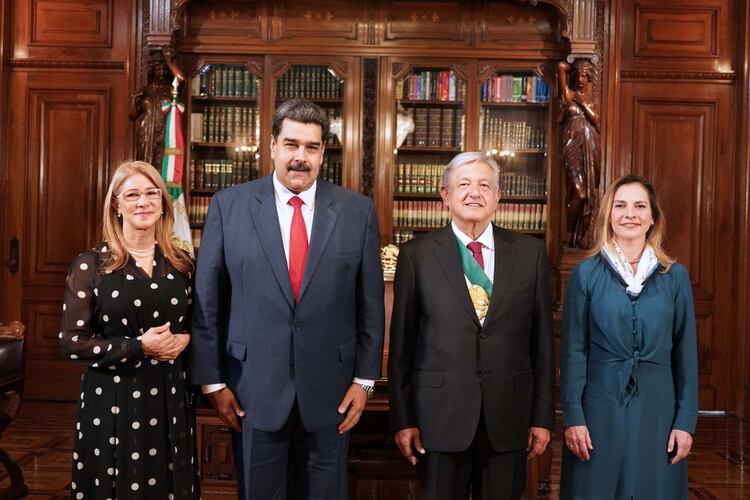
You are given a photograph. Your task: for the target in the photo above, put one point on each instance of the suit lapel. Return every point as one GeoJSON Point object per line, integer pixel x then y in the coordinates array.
{"type": "Point", "coordinates": [324, 220]}
{"type": "Point", "coordinates": [447, 256]}
{"type": "Point", "coordinates": [266, 221]}
{"type": "Point", "coordinates": [504, 260]}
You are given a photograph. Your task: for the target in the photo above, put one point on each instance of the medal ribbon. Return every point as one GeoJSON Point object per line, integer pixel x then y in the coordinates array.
{"type": "Point", "coordinates": [472, 271]}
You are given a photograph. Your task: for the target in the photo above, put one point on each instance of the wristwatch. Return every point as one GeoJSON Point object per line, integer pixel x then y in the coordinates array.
{"type": "Point", "coordinates": [369, 389]}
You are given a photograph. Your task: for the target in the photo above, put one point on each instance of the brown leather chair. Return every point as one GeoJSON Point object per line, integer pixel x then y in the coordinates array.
{"type": "Point", "coordinates": [11, 388]}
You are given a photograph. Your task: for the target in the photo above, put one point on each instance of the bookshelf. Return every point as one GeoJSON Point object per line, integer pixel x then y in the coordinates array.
{"type": "Point", "coordinates": [224, 134]}
{"type": "Point", "coordinates": [322, 85]}
{"type": "Point", "coordinates": [465, 105]}
{"type": "Point", "coordinates": [229, 118]}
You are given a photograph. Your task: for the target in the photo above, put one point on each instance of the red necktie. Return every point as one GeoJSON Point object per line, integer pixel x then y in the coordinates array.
{"type": "Point", "coordinates": [476, 251]}
{"type": "Point", "coordinates": [297, 246]}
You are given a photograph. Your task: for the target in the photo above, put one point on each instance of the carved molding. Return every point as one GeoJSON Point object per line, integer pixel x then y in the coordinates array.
{"type": "Point", "coordinates": [565, 8]}
{"type": "Point", "coordinates": [400, 70]}
{"type": "Point", "coordinates": [32, 63]}
{"type": "Point", "coordinates": [278, 67]}
{"type": "Point", "coordinates": [462, 70]}
{"type": "Point", "coordinates": [255, 67]}
{"type": "Point", "coordinates": [678, 75]}
{"type": "Point", "coordinates": [340, 68]}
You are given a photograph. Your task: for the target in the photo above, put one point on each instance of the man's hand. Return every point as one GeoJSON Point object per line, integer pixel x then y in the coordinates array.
{"type": "Point", "coordinates": [683, 441]}
{"type": "Point", "coordinates": [408, 440]}
{"type": "Point", "coordinates": [227, 406]}
{"type": "Point", "coordinates": [538, 440]}
{"type": "Point", "coordinates": [354, 400]}
{"type": "Point", "coordinates": [578, 441]}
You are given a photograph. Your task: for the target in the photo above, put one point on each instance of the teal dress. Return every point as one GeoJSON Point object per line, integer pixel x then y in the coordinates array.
{"type": "Point", "coordinates": [629, 373]}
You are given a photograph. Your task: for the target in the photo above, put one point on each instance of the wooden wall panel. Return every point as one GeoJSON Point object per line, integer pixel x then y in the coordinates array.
{"type": "Point", "coordinates": [445, 21]}
{"type": "Point", "coordinates": [687, 171]}
{"type": "Point", "coordinates": [69, 85]}
{"type": "Point", "coordinates": [668, 32]}
{"type": "Point", "coordinates": [675, 134]}
{"type": "Point", "coordinates": [316, 20]}
{"type": "Point", "coordinates": [685, 35]}
{"type": "Point", "coordinates": [55, 32]}
{"type": "Point", "coordinates": [78, 24]}
{"type": "Point", "coordinates": [230, 20]}
{"type": "Point", "coordinates": [65, 179]}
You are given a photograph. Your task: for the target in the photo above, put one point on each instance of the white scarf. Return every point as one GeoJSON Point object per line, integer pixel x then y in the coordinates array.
{"type": "Point", "coordinates": [634, 280]}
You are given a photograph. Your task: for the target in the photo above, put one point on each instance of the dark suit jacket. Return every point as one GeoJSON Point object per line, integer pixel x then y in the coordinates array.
{"type": "Point", "coordinates": [444, 368]}
{"type": "Point", "coordinates": [247, 330]}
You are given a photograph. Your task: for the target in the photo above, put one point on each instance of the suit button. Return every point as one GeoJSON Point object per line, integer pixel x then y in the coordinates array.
{"type": "Point", "coordinates": [479, 373]}
{"type": "Point", "coordinates": [297, 325]}
{"type": "Point", "coordinates": [482, 335]}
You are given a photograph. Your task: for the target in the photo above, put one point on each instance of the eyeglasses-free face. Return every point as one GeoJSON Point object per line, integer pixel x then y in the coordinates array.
{"type": "Point", "coordinates": [133, 195]}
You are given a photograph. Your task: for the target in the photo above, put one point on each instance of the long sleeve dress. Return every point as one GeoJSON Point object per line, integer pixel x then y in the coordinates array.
{"type": "Point", "coordinates": [134, 433]}
{"type": "Point", "coordinates": [630, 374]}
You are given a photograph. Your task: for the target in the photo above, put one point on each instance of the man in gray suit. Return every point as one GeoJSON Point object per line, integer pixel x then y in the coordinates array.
{"type": "Point", "coordinates": [288, 315]}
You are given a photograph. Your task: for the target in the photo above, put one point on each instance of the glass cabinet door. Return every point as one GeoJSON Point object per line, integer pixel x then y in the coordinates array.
{"type": "Point", "coordinates": [430, 130]}
{"type": "Point", "coordinates": [320, 84]}
{"type": "Point", "coordinates": [513, 128]}
{"type": "Point", "coordinates": [224, 129]}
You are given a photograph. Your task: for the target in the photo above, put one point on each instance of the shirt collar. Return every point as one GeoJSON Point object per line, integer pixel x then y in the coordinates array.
{"type": "Point", "coordinates": [283, 194]}
{"type": "Point", "coordinates": [487, 238]}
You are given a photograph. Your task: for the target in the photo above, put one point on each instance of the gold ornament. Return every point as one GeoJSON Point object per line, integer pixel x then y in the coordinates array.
{"type": "Point", "coordinates": [480, 300]}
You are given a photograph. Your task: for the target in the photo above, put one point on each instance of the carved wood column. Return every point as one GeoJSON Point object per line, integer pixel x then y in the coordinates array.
{"type": "Point", "coordinates": [583, 29]}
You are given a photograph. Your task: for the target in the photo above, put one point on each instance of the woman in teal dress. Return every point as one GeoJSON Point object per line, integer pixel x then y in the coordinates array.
{"type": "Point", "coordinates": [629, 358]}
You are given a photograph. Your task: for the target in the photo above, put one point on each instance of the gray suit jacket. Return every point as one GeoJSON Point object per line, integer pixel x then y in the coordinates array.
{"type": "Point", "coordinates": [247, 330]}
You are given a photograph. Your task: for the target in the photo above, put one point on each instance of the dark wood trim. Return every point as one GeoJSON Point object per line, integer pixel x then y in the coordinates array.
{"type": "Point", "coordinates": [677, 75]}
{"type": "Point", "coordinates": [4, 51]}
{"type": "Point", "coordinates": [47, 64]}
{"type": "Point", "coordinates": [740, 374]}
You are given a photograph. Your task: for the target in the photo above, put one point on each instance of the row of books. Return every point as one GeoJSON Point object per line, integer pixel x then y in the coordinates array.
{"type": "Point", "coordinates": [196, 234]}
{"type": "Point", "coordinates": [419, 178]}
{"type": "Point", "coordinates": [225, 124]}
{"type": "Point", "coordinates": [224, 80]}
{"type": "Point", "coordinates": [497, 133]}
{"type": "Point", "coordinates": [426, 178]}
{"type": "Point", "coordinates": [399, 236]}
{"type": "Point", "coordinates": [420, 214]}
{"type": "Point", "coordinates": [514, 184]}
{"type": "Point", "coordinates": [331, 170]}
{"type": "Point", "coordinates": [436, 128]}
{"type": "Point", "coordinates": [198, 208]}
{"type": "Point", "coordinates": [309, 82]}
{"type": "Point", "coordinates": [222, 173]}
{"type": "Point", "coordinates": [434, 86]}
{"type": "Point", "coordinates": [511, 88]}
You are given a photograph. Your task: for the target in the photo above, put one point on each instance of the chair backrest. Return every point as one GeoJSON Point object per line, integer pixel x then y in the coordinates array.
{"type": "Point", "coordinates": [11, 356]}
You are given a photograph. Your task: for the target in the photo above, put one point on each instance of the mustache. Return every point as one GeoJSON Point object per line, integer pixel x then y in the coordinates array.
{"type": "Point", "coordinates": [298, 167]}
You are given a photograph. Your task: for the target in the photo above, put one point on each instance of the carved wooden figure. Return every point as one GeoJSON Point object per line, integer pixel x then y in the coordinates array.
{"type": "Point", "coordinates": [145, 108]}
{"type": "Point", "coordinates": [581, 154]}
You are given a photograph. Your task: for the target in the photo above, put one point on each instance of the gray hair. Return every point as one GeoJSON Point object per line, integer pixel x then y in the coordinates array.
{"type": "Point", "coordinates": [303, 111]}
{"type": "Point", "coordinates": [466, 158]}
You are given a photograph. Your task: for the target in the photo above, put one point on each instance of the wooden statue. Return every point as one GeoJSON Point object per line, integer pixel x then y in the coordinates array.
{"type": "Point", "coordinates": [145, 108]}
{"type": "Point", "coordinates": [581, 154]}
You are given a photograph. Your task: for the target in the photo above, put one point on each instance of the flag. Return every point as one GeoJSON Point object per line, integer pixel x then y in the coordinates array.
{"type": "Point", "coordinates": [172, 168]}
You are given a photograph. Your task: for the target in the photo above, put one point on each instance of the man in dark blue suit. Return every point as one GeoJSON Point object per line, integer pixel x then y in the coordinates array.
{"type": "Point", "coordinates": [288, 315]}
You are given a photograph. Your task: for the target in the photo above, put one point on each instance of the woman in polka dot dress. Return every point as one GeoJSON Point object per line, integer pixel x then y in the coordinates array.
{"type": "Point", "coordinates": [126, 319]}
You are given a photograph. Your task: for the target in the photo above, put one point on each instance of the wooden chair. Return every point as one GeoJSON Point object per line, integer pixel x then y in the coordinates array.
{"type": "Point", "coordinates": [11, 388]}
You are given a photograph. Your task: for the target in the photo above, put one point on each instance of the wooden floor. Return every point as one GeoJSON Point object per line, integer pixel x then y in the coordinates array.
{"type": "Point", "coordinates": [40, 438]}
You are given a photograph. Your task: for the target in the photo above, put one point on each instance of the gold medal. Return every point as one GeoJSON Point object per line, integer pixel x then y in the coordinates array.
{"type": "Point", "coordinates": [480, 300]}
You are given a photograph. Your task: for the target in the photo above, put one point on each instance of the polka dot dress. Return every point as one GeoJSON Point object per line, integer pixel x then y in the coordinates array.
{"type": "Point", "coordinates": [134, 436]}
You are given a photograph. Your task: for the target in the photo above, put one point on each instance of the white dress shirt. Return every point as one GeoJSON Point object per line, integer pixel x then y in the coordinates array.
{"type": "Point", "coordinates": [487, 240]}
{"type": "Point", "coordinates": [285, 212]}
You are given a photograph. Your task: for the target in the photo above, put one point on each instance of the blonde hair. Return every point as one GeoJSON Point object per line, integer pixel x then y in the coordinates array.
{"type": "Point", "coordinates": [112, 224]}
{"type": "Point", "coordinates": [602, 230]}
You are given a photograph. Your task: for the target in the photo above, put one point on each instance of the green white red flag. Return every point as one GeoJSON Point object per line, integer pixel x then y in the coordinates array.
{"type": "Point", "coordinates": [172, 168]}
